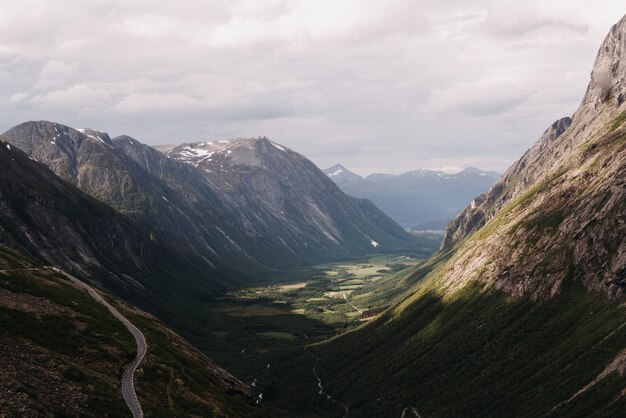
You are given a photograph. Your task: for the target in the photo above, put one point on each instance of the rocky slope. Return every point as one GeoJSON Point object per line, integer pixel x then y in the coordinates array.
{"type": "Point", "coordinates": [272, 211]}
{"type": "Point", "coordinates": [521, 313]}
{"type": "Point", "coordinates": [284, 200]}
{"type": "Point", "coordinates": [420, 199]}
{"type": "Point", "coordinates": [63, 355]}
{"type": "Point", "coordinates": [567, 194]}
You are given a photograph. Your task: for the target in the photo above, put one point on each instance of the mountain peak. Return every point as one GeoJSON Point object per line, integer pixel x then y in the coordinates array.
{"type": "Point", "coordinates": [341, 175]}
{"type": "Point", "coordinates": [608, 82]}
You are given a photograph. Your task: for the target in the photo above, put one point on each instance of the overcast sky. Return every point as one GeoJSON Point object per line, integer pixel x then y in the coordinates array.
{"type": "Point", "coordinates": [379, 86]}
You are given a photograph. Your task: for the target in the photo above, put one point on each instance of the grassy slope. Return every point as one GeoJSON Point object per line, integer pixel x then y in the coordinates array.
{"type": "Point", "coordinates": [65, 354]}
{"type": "Point", "coordinates": [457, 347]}
{"type": "Point", "coordinates": [481, 354]}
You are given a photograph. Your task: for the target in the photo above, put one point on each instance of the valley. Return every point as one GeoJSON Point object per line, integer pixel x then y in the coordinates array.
{"type": "Point", "coordinates": [261, 334]}
{"type": "Point", "coordinates": [234, 278]}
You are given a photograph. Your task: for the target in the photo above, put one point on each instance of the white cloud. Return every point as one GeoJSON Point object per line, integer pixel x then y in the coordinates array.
{"type": "Point", "coordinates": [74, 97]}
{"type": "Point", "coordinates": [19, 97]}
{"type": "Point", "coordinates": [396, 85]}
{"type": "Point", "coordinates": [142, 102]}
{"type": "Point", "coordinates": [483, 98]}
{"type": "Point", "coordinates": [55, 73]}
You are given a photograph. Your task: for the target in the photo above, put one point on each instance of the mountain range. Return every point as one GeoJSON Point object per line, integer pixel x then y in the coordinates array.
{"type": "Point", "coordinates": [252, 210]}
{"type": "Point", "coordinates": [419, 199]}
{"type": "Point", "coordinates": [520, 312]}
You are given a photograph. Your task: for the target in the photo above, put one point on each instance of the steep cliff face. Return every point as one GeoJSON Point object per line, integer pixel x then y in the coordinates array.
{"type": "Point", "coordinates": [564, 197]}
{"type": "Point", "coordinates": [521, 313]}
{"type": "Point", "coordinates": [52, 221]}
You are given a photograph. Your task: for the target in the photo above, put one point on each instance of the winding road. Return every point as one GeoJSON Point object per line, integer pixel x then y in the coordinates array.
{"type": "Point", "coordinates": [128, 378]}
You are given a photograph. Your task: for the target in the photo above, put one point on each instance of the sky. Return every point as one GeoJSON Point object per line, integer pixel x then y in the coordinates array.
{"type": "Point", "coordinates": [378, 86]}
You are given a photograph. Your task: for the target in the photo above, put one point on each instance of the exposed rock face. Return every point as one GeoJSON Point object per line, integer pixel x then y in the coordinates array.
{"type": "Point", "coordinates": [560, 210]}
{"type": "Point", "coordinates": [251, 210]}
{"type": "Point", "coordinates": [52, 221]}
{"type": "Point", "coordinates": [516, 179]}
{"type": "Point", "coordinates": [276, 189]}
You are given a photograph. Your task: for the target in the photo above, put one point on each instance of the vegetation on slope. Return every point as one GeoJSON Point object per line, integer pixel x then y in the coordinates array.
{"type": "Point", "coordinates": [63, 353]}
{"type": "Point", "coordinates": [482, 354]}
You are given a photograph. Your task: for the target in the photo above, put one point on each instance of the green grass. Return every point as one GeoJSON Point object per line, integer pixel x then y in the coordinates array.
{"type": "Point", "coordinates": [479, 354]}
{"type": "Point", "coordinates": [618, 121]}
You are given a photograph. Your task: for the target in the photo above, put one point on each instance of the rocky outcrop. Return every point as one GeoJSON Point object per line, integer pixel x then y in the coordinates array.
{"type": "Point", "coordinates": [559, 211]}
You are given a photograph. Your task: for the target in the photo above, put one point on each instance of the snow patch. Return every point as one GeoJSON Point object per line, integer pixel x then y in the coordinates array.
{"type": "Point", "coordinates": [275, 145]}
{"type": "Point", "coordinates": [9, 147]}
{"type": "Point", "coordinates": [96, 137]}
{"type": "Point", "coordinates": [336, 173]}
{"type": "Point", "coordinates": [374, 244]}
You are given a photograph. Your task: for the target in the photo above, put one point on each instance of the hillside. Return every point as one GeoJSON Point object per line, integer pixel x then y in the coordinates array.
{"type": "Point", "coordinates": [53, 222]}
{"type": "Point", "coordinates": [273, 213]}
{"type": "Point", "coordinates": [420, 199]}
{"type": "Point", "coordinates": [63, 354]}
{"type": "Point", "coordinates": [523, 313]}
{"type": "Point", "coordinates": [286, 201]}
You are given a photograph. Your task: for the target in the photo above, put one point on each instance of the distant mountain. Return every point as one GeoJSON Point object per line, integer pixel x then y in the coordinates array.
{"type": "Point", "coordinates": [246, 208]}
{"type": "Point", "coordinates": [341, 175]}
{"type": "Point", "coordinates": [521, 313]}
{"type": "Point", "coordinates": [420, 199]}
{"type": "Point", "coordinates": [285, 201]}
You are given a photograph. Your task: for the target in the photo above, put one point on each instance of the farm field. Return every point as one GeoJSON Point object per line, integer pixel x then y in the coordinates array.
{"type": "Point", "coordinates": [260, 333]}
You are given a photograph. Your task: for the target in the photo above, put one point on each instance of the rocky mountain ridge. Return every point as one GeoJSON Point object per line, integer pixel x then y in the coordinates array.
{"type": "Point", "coordinates": [248, 223]}
{"type": "Point", "coordinates": [571, 184]}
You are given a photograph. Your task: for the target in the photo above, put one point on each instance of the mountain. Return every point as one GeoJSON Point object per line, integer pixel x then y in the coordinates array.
{"type": "Point", "coordinates": [341, 175]}
{"type": "Point", "coordinates": [522, 312]}
{"type": "Point", "coordinates": [267, 210]}
{"type": "Point", "coordinates": [420, 199]}
{"type": "Point", "coordinates": [285, 201]}
{"type": "Point", "coordinates": [53, 222]}
{"type": "Point", "coordinates": [63, 354]}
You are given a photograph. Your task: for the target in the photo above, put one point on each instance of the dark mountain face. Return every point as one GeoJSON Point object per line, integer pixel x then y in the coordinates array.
{"type": "Point", "coordinates": [252, 209]}
{"type": "Point", "coordinates": [52, 221]}
{"type": "Point", "coordinates": [521, 313]}
{"type": "Point", "coordinates": [421, 199]}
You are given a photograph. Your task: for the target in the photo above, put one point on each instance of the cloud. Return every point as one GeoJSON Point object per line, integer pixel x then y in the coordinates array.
{"type": "Point", "coordinates": [484, 98]}
{"type": "Point", "coordinates": [54, 73]}
{"type": "Point", "coordinates": [19, 97]}
{"type": "Point", "coordinates": [74, 97]}
{"type": "Point", "coordinates": [394, 85]}
{"type": "Point", "coordinates": [516, 18]}
{"type": "Point", "coordinates": [156, 102]}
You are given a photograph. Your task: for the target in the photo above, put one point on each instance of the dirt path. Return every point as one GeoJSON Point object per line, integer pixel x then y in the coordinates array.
{"type": "Point", "coordinates": [345, 297]}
